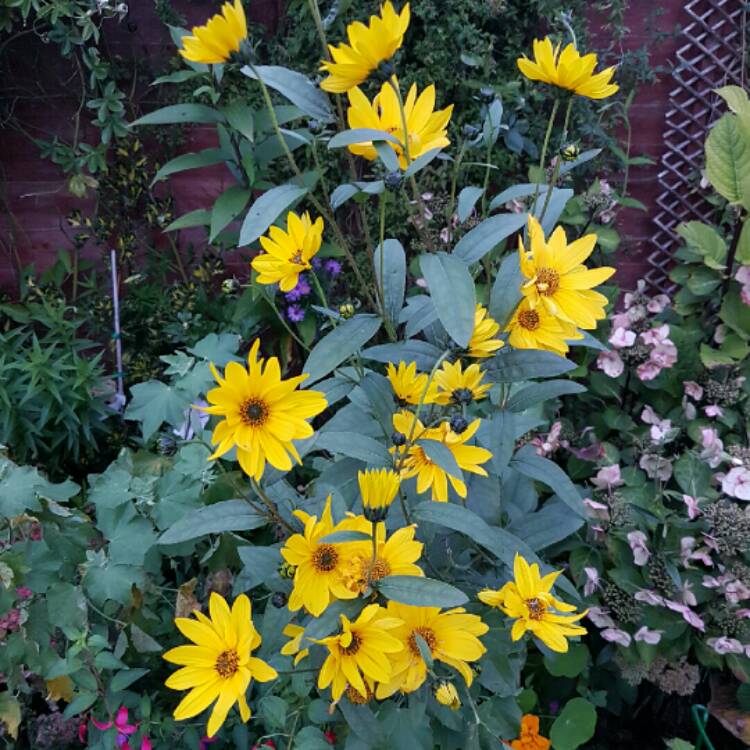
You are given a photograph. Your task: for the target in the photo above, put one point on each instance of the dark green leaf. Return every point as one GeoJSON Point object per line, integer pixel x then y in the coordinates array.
{"type": "Point", "coordinates": [506, 290]}
{"type": "Point", "coordinates": [267, 209]}
{"type": "Point", "coordinates": [393, 281]}
{"type": "Point", "coordinates": [227, 515]}
{"type": "Point", "coordinates": [421, 592]}
{"type": "Point", "coordinates": [227, 207]}
{"type": "Point", "coordinates": [515, 365]}
{"type": "Point", "coordinates": [474, 245]}
{"type": "Point", "coordinates": [205, 158]}
{"type": "Point", "coordinates": [547, 389]}
{"type": "Point", "coordinates": [180, 114]}
{"type": "Point", "coordinates": [574, 726]}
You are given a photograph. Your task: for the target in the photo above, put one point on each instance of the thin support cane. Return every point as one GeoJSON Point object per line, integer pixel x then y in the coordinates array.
{"type": "Point", "coordinates": [117, 336]}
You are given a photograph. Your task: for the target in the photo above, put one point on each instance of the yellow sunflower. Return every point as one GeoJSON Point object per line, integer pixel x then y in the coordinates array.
{"type": "Point", "coordinates": [262, 413]}
{"type": "Point", "coordinates": [447, 695]}
{"type": "Point", "coordinates": [377, 487]}
{"type": "Point", "coordinates": [318, 575]}
{"type": "Point", "coordinates": [222, 35]}
{"type": "Point", "coordinates": [426, 129]}
{"type": "Point", "coordinates": [451, 636]}
{"type": "Point", "coordinates": [416, 463]}
{"type": "Point", "coordinates": [288, 253]}
{"type": "Point", "coordinates": [408, 386]}
{"type": "Point", "coordinates": [368, 46]}
{"type": "Point", "coordinates": [557, 278]}
{"type": "Point", "coordinates": [219, 667]}
{"type": "Point", "coordinates": [536, 328]}
{"type": "Point", "coordinates": [568, 70]}
{"type": "Point", "coordinates": [293, 647]}
{"type": "Point", "coordinates": [528, 600]}
{"type": "Point", "coordinates": [483, 342]}
{"type": "Point", "coordinates": [360, 650]}
{"type": "Point", "coordinates": [458, 386]}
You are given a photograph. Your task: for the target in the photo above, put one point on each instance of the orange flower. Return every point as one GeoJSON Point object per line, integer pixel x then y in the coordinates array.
{"type": "Point", "coordinates": [530, 738]}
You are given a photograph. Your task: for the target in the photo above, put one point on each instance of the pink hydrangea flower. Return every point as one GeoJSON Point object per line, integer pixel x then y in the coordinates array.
{"type": "Point", "coordinates": [725, 645]}
{"type": "Point", "coordinates": [658, 304]}
{"type": "Point", "coordinates": [736, 483]}
{"type": "Point", "coordinates": [713, 447]}
{"type": "Point", "coordinates": [600, 617]}
{"type": "Point", "coordinates": [656, 467]}
{"type": "Point", "coordinates": [647, 371]}
{"type": "Point", "coordinates": [621, 320]}
{"type": "Point", "coordinates": [664, 354]}
{"type": "Point", "coordinates": [637, 541]}
{"type": "Point", "coordinates": [615, 635]}
{"type": "Point", "coordinates": [610, 363]}
{"type": "Point", "coordinates": [690, 617]}
{"type": "Point", "coordinates": [621, 338]}
{"type": "Point", "coordinates": [713, 410]}
{"type": "Point", "coordinates": [645, 635]}
{"type": "Point", "coordinates": [691, 503]}
{"type": "Point", "coordinates": [656, 335]}
{"type": "Point", "coordinates": [647, 596]}
{"type": "Point", "coordinates": [592, 581]}
{"type": "Point", "coordinates": [608, 477]}
{"type": "Point", "coordinates": [693, 390]}
{"type": "Point", "coordinates": [595, 510]}
{"type": "Point", "coordinates": [660, 428]}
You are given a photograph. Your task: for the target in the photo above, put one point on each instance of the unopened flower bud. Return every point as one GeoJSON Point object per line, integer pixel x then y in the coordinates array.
{"type": "Point", "coordinates": [393, 180]}
{"type": "Point", "coordinates": [398, 439]}
{"type": "Point", "coordinates": [458, 424]}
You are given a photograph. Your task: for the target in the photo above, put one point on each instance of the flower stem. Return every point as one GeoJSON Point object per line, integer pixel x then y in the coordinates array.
{"type": "Point", "coordinates": [270, 300]}
{"type": "Point", "coordinates": [272, 509]}
{"type": "Point", "coordinates": [545, 146]}
{"type": "Point", "coordinates": [556, 170]}
{"type": "Point", "coordinates": [319, 290]}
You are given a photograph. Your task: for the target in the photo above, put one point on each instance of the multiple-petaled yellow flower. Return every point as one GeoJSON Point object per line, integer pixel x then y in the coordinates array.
{"type": "Point", "coordinates": [293, 647]}
{"type": "Point", "coordinates": [377, 488]}
{"type": "Point", "coordinates": [557, 278]}
{"type": "Point", "coordinates": [360, 651]}
{"type": "Point", "coordinates": [483, 342]}
{"type": "Point", "coordinates": [288, 253]}
{"type": "Point", "coordinates": [262, 413]}
{"type": "Point", "coordinates": [568, 70]}
{"type": "Point", "coordinates": [528, 599]}
{"type": "Point", "coordinates": [537, 328]}
{"type": "Point", "coordinates": [458, 386]}
{"type": "Point", "coordinates": [368, 46]}
{"type": "Point", "coordinates": [408, 386]}
{"type": "Point", "coordinates": [447, 695]}
{"type": "Point", "coordinates": [222, 35]}
{"type": "Point", "coordinates": [452, 637]}
{"type": "Point", "coordinates": [426, 129]}
{"type": "Point", "coordinates": [318, 578]}
{"type": "Point", "coordinates": [431, 476]}
{"type": "Point", "coordinates": [219, 666]}
{"type": "Point", "coordinates": [529, 738]}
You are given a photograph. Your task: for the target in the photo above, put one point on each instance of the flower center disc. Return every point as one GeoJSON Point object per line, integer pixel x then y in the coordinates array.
{"type": "Point", "coordinates": [379, 569]}
{"type": "Point", "coordinates": [537, 608]}
{"type": "Point", "coordinates": [547, 281]}
{"type": "Point", "coordinates": [254, 412]}
{"type": "Point", "coordinates": [325, 558]}
{"type": "Point", "coordinates": [528, 319]}
{"type": "Point", "coordinates": [227, 663]}
{"type": "Point", "coordinates": [428, 636]}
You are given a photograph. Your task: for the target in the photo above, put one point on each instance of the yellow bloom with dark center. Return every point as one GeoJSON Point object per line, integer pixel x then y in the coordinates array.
{"type": "Point", "coordinates": [408, 386]}
{"type": "Point", "coordinates": [568, 70]}
{"type": "Point", "coordinates": [431, 476]}
{"type": "Point", "coordinates": [288, 253]}
{"type": "Point", "coordinates": [359, 652]}
{"type": "Point", "coordinates": [294, 646]}
{"type": "Point", "coordinates": [484, 342]}
{"type": "Point", "coordinates": [557, 279]}
{"type": "Point", "coordinates": [537, 328]}
{"type": "Point", "coordinates": [528, 599]}
{"type": "Point", "coordinates": [451, 636]}
{"type": "Point", "coordinates": [262, 413]}
{"type": "Point", "coordinates": [377, 488]}
{"type": "Point", "coordinates": [368, 46]}
{"type": "Point", "coordinates": [395, 556]}
{"type": "Point", "coordinates": [426, 128]}
{"type": "Point", "coordinates": [458, 386]}
{"type": "Point", "coordinates": [219, 666]}
{"type": "Point", "coordinates": [318, 578]}
{"type": "Point", "coordinates": [222, 35]}
{"type": "Point", "coordinates": [447, 695]}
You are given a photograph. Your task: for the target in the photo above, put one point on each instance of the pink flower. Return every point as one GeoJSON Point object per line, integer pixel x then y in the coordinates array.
{"type": "Point", "coordinates": [744, 613]}
{"type": "Point", "coordinates": [652, 637]}
{"type": "Point", "coordinates": [610, 363]}
{"type": "Point", "coordinates": [743, 275]}
{"type": "Point", "coordinates": [614, 635]}
{"type": "Point", "coordinates": [546, 446]}
{"type": "Point", "coordinates": [23, 592]}
{"type": "Point", "coordinates": [745, 295]}
{"type": "Point", "coordinates": [725, 645]}
{"type": "Point", "coordinates": [621, 338]}
{"type": "Point", "coordinates": [637, 541]}
{"type": "Point", "coordinates": [688, 409]}
{"type": "Point", "coordinates": [664, 354]}
{"type": "Point", "coordinates": [647, 371]}
{"type": "Point", "coordinates": [592, 581]}
{"type": "Point", "coordinates": [650, 597]}
{"type": "Point", "coordinates": [736, 483]}
{"type": "Point", "coordinates": [693, 389]}
{"type": "Point", "coordinates": [736, 592]}
{"type": "Point", "coordinates": [713, 410]}
{"type": "Point", "coordinates": [660, 428]}
{"type": "Point", "coordinates": [713, 447]}
{"type": "Point", "coordinates": [595, 510]}
{"type": "Point", "coordinates": [658, 304]}
{"type": "Point", "coordinates": [656, 467]}
{"type": "Point", "coordinates": [691, 503]}
{"type": "Point", "coordinates": [608, 477]}
{"type": "Point", "coordinates": [600, 617]}
{"type": "Point", "coordinates": [690, 617]}
{"type": "Point", "coordinates": [621, 320]}
{"type": "Point", "coordinates": [656, 335]}
{"type": "Point", "coordinates": [124, 730]}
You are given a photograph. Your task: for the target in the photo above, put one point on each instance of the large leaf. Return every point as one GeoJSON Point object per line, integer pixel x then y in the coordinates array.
{"type": "Point", "coordinates": [392, 259]}
{"type": "Point", "coordinates": [421, 592]}
{"type": "Point", "coordinates": [227, 515]}
{"type": "Point", "coordinates": [515, 365]}
{"type": "Point", "coordinates": [180, 114]}
{"type": "Point", "coordinates": [354, 445]}
{"type": "Point", "coordinates": [411, 350]}
{"type": "Point", "coordinates": [555, 205]}
{"type": "Point", "coordinates": [361, 135]}
{"type": "Point", "coordinates": [574, 726]}
{"type": "Point", "coordinates": [339, 345]}
{"type": "Point", "coordinates": [533, 394]}
{"type": "Point", "coordinates": [205, 158]}
{"type": "Point", "coordinates": [506, 290]}
{"type": "Point", "coordinates": [553, 523]}
{"type": "Point", "coordinates": [299, 89]}
{"type": "Point", "coordinates": [201, 217]}
{"type": "Point", "coordinates": [453, 294]}
{"type": "Point", "coordinates": [474, 245]}
{"type": "Point", "coordinates": [705, 240]}
{"type": "Point", "coordinates": [343, 193]}
{"type": "Point", "coordinates": [154, 403]}
{"type": "Point", "coordinates": [467, 199]}
{"type": "Point", "coordinates": [259, 564]}
{"type": "Point", "coordinates": [228, 207]}
{"type": "Point", "coordinates": [728, 160]}
{"type": "Point", "coordinates": [267, 209]}
{"type": "Point", "coordinates": [441, 454]}
{"type": "Point", "coordinates": [522, 190]}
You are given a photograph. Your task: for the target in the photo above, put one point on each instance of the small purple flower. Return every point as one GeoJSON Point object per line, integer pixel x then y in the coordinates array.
{"type": "Point", "coordinates": [295, 313]}
{"type": "Point", "coordinates": [316, 263]}
{"type": "Point", "coordinates": [332, 267]}
{"type": "Point", "coordinates": [301, 290]}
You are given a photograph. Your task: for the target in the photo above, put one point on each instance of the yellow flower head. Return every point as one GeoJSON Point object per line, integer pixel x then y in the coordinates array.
{"type": "Point", "coordinates": [294, 646]}
{"type": "Point", "coordinates": [447, 695]}
{"type": "Point", "coordinates": [530, 738]}
{"type": "Point", "coordinates": [219, 666]}
{"type": "Point", "coordinates": [451, 636]}
{"type": "Point", "coordinates": [428, 473]}
{"type": "Point", "coordinates": [360, 650]}
{"type": "Point", "coordinates": [222, 35]}
{"type": "Point", "coordinates": [557, 278]}
{"type": "Point", "coordinates": [426, 128]}
{"type": "Point", "coordinates": [458, 386]}
{"type": "Point", "coordinates": [288, 253]}
{"type": "Point", "coordinates": [262, 413]}
{"type": "Point", "coordinates": [395, 556]}
{"type": "Point", "coordinates": [483, 342]}
{"type": "Point", "coordinates": [408, 386]}
{"type": "Point", "coordinates": [377, 487]}
{"type": "Point", "coordinates": [368, 47]}
{"type": "Point", "coordinates": [318, 575]}
{"type": "Point", "coordinates": [528, 600]}
{"type": "Point", "coordinates": [537, 328]}
{"type": "Point", "coordinates": [60, 688]}
{"type": "Point", "coordinates": [567, 70]}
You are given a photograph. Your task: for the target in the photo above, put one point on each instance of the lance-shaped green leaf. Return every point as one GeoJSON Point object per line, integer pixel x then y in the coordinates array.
{"type": "Point", "coordinates": [198, 218]}
{"type": "Point", "coordinates": [421, 592]}
{"type": "Point", "coordinates": [206, 158]}
{"type": "Point", "coordinates": [227, 515]}
{"type": "Point", "coordinates": [506, 290]}
{"type": "Point", "coordinates": [467, 199]}
{"type": "Point", "coordinates": [537, 392]}
{"type": "Point", "coordinates": [267, 209]}
{"type": "Point", "coordinates": [474, 245]}
{"type": "Point", "coordinates": [228, 207]}
{"type": "Point", "coordinates": [441, 454]}
{"type": "Point", "coordinates": [362, 135]}
{"type": "Point", "coordinates": [391, 259]}
{"type": "Point", "coordinates": [344, 536]}
{"type": "Point", "coordinates": [515, 365]}
{"type": "Point", "coordinates": [411, 350]}
{"type": "Point", "coordinates": [180, 114]}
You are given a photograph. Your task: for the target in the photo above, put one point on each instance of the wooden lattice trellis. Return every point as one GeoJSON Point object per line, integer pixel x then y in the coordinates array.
{"type": "Point", "coordinates": [711, 56]}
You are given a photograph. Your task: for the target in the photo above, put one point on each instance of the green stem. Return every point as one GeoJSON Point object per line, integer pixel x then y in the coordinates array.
{"type": "Point", "coordinates": [556, 170]}
{"type": "Point", "coordinates": [545, 146]}
{"type": "Point", "coordinates": [454, 180]}
{"type": "Point", "coordinates": [271, 506]}
{"type": "Point", "coordinates": [319, 290]}
{"type": "Point", "coordinates": [270, 300]}
{"type": "Point", "coordinates": [485, 185]}
{"type": "Point", "coordinates": [380, 287]}
{"type": "Point", "coordinates": [315, 12]}
{"type": "Point", "coordinates": [374, 541]}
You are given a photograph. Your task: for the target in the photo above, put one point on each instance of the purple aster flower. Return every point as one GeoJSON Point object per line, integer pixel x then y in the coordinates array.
{"type": "Point", "coordinates": [316, 263]}
{"type": "Point", "coordinates": [332, 267]}
{"type": "Point", "coordinates": [295, 313]}
{"type": "Point", "coordinates": [301, 290]}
